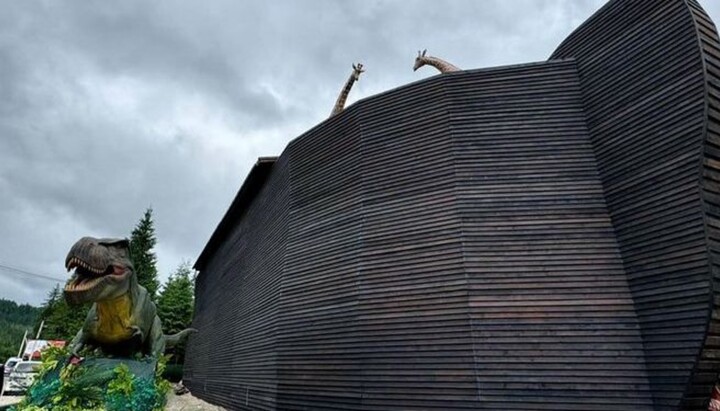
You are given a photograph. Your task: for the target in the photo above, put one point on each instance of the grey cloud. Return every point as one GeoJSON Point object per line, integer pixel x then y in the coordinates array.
{"type": "Point", "coordinates": [138, 40]}
{"type": "Point", "coordinates": [109, 108]}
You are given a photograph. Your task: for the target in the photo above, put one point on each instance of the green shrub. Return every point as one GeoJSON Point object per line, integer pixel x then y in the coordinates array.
{"type": "Point", "coordinates": [97, 383]}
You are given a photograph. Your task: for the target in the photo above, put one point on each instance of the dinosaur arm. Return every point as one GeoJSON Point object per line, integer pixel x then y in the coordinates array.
{"type": "Point", "coordinates": [77, 343]}
{"type": "Point", "coordinates": [143, 313]}
{"type": "Point", "coordinates": [89, 326]}
{"type": "Point", "coordinates": [156, 339]}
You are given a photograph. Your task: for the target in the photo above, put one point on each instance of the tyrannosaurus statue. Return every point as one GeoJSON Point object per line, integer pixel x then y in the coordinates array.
{"type": "Point", "coordinates": [123, 320]}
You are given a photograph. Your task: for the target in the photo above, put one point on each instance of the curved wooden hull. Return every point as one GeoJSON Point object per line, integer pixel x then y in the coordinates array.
{"type": "Point", "coordinates": [535, 237]}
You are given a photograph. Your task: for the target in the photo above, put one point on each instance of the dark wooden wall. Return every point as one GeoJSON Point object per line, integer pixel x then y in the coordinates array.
{"type": "Point", "coordinates": [644, 89]}
{"type": "Point", "coordinates": [706, 369]}
{"type": "Point", "coordinates": [319, 367]}
{"type": "Point", "coordinates": [235, 352]}
{"type": "Point", "coordinates": [416, 344]}
{"type": "Point", "coordinates": [533, 237]}
{"type": "Point", "coordinates": [446, 246]}
{"type": "Point", "coordinates": [552, 313]}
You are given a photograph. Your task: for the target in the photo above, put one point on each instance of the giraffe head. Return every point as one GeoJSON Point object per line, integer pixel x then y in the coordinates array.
{"type": "Point", "coordinates": [419, 60]}
{"type": "Point", "coordinates": [357, 69]}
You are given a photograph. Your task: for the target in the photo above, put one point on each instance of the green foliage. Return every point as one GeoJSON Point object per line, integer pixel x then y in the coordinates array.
{"type": "Point", "coordinates": [143, 258]}
{"type": "Point", "coordinates": [75, 392]}
{"type": "Point", "coordinates": [10, 338]}
{"type": "Point", "coordinates": [62, 321]}
{"type": "Point", "coordinates": [123, 383]}
{"type": "Point", "coordinates": [91, 385]}
{"type": "Point", "coordinates": [126, 392]}
{"type": "Point", "coordinates": [62, 387]}
{"type": "Point", "coordinates": [13, 312]}
{"type": "Point", "coordinates": [175, 304]}
{"type": "Point", "coordinates": [51, 357]}
{"type": "Point", "coordinates": [161, 384]}
{"type": "Point", "coordinates": [15, 319]}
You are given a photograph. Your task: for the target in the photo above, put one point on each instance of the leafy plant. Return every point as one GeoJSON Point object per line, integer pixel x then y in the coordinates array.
{"type": "Point", "coordinates": [161, 384]}
{"type": "Point", "coordinates": [92, 385]}
{"type": "Point", "coordinates": [123, 382]}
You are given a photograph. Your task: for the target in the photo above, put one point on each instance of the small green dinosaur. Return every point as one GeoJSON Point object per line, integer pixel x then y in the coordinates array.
{"type": "Point", "coordinates": [123, 319]}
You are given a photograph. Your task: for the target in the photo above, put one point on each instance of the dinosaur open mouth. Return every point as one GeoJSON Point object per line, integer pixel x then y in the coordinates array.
{"type": "Point", "coordinates": [87, 276]}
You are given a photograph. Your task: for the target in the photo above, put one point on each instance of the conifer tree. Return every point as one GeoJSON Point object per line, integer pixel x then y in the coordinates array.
{"type": "Point", "coordinates": [15, 320]}
{"type": "Point", "coordinates": [46, 310]}
{"type": "Point", "coordinates": [175, 304]}
{"type": "Point", "coordinates": [62, 321]}
{"type": "Point", "coordinates": [143, 258]}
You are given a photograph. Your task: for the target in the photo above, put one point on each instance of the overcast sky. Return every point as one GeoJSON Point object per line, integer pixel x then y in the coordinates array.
{"type": "Point", "coordinates": [107, 108]}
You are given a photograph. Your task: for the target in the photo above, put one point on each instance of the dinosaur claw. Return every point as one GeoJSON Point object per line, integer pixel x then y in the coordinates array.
{"type": "Point", "coordinates": [137, 332]}
{"type": "Point", "coordinates": [75, 359]}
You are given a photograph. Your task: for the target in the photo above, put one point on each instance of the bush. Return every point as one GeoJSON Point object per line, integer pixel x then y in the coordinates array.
{"type": "Point", "coordinates": [97, 383]}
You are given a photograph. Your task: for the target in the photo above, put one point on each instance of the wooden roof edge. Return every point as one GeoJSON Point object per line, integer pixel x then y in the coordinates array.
{"type": "Point", "coordinates": [247, 192]}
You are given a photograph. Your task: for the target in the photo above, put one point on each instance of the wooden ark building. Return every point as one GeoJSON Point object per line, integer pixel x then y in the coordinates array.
{"type": "Point", "coordinates": [532, 237]}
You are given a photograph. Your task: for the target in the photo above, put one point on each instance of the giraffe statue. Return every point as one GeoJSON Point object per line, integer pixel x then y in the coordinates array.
{"type": "Point", "coordinates": [439, 64]}
{"type": "Point", "coordinates": [355, 76]}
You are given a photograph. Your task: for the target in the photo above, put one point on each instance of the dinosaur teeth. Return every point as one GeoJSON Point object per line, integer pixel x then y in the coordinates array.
{"type": "Point", "coordinates": [72, 263]}
{"type": "Point", "coordinates": [75, 262]}
{"type": "Point", "coordinates": [88, 269]}
{"type": "Point", "coordinates": [86, 285]}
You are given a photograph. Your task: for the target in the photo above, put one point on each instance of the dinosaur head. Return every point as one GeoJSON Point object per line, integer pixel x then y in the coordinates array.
{"type": "Point", "coordinates": [102, 267]}
{"type": "Point", "coordinates": [419, 60]}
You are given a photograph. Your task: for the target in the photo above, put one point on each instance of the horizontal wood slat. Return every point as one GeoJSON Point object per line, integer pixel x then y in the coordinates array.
{"type": "Point", "coordinates": [643, 79]}
{"type": "Point", "coordinates": [706, 368]}
{"type": "Point", "coordinates": [235, 352]}
{"type": "Point", "coordinates": [560, 301]}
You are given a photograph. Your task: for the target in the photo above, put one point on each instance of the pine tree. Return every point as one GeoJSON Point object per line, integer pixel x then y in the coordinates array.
{"type": "Point", "coordinates": [15, 320]}
{"type": "Point", "coordinates": [49, 306]}
{"type": "Point", "coordinates": [143, 258]}
{"type": "Point", "coordinates": [175, 304]}
{"type": "Point", "coordinates": [62, 321]}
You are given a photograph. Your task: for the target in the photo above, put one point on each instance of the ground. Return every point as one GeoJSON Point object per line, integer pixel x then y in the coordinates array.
{"type": "Point", "coordinates": [187, 403]}
{"type": "Point", "coordinates": [9, 399]}
{"type": "Point", "coordinates": [175, 403]}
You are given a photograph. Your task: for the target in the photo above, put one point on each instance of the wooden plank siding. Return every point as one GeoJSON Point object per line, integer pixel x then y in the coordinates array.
{"type": "Point", "coordinates": [417, 350]}
{"type": "Point", "coordinates": [644, 90]}
{"type": "Point", "coordinates": [705, 374]}
{"type": "Point", "coordinates": [319, 366]}
{"type": "Point", "coordinates": [541, 236]}
{"type": "Point", "coordinates": [552, 314]}
{"type": "Point", "coordinates": [443, 256]}
{"type": "Point", "coordinates": [237, 300]}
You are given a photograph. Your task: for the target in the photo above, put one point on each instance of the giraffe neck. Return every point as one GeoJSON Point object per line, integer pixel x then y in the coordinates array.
{"type": "Point", "coordinates": [340, 103]}
{"type": "Point", "coordinates": [440, 64]}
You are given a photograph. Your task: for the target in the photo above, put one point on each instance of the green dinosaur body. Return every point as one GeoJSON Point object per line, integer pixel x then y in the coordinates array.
{"type": "Point", "coordinates": [123, 319]}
